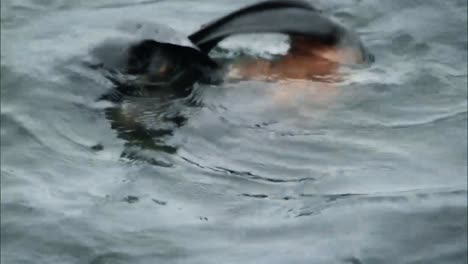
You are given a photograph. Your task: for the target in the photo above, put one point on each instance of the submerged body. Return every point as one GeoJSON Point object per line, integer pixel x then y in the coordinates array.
{"type": "Point", "coordinates": [312, 61]}
{"type": "Point", "coordinates": [309, 69]}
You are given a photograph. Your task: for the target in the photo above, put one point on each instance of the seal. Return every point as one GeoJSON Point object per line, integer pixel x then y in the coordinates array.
{"type": "Point", "coordinates": [155, 57]}
{"type": "Point", "coordinates": [152, 61]}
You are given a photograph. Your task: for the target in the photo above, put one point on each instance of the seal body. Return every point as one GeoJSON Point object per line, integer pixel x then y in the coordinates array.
{"type": "Point", "coordinates": [154, 58]}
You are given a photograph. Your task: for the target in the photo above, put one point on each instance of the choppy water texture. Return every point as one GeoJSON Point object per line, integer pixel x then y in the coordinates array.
{"type": "Point", "coordinates": [373, 173]}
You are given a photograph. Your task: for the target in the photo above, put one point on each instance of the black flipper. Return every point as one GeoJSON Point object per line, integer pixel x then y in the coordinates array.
{"type": "Point", "coordinates": [277, 16]}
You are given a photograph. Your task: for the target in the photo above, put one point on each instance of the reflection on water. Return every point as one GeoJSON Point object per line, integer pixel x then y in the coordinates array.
{"type": "Point", "coordinates": [146, 123]}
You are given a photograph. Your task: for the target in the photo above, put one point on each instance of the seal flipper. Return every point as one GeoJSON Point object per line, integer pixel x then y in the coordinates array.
{"type": "Point", "coordinates": [289, 17]}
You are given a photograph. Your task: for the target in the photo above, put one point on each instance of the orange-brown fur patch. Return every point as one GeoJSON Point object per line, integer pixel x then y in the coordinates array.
{"type": "Point", "coordinates": [309, 70]}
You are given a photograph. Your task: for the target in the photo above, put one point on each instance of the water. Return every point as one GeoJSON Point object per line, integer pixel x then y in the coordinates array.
{"type": "Point", "coordinates": [373, 171]}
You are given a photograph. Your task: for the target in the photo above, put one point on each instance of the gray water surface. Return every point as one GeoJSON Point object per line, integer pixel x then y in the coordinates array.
{"type": "Point", "coordinates": [374, 173]}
